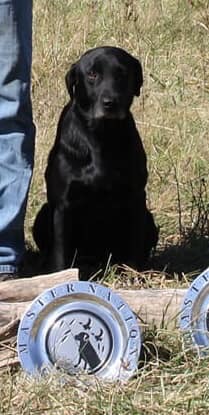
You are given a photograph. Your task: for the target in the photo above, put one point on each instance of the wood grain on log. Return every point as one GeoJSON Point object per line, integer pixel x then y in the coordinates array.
{"type": "Point", "coordinates": [26, 289]}
{"type": "Point", "coordinates": [159, 307]}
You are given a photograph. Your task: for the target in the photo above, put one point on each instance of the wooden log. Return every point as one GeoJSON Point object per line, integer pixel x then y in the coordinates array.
{"type": "Point", "coordinates": [10, 312]}
{"type": "Point", "coordinates": [26, 289]}
{"type": "Point", "coordinates": [8, 352]}
{"type": "Point", "coordinates": [153, 306]}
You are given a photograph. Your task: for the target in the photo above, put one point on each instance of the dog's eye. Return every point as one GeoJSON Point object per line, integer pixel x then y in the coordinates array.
{"type": "Point", "coordinates": [92, 75]}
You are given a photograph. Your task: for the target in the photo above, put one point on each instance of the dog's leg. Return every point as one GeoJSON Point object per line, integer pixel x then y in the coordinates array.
{"type": "Point", "coordinates": [152, 234]}
{"type": "Point", "coordinates": [137, 239]}
{"type": "Point", "coordinates": [57, 255]}
{"type": "Point", "coordinates": [40, 228]}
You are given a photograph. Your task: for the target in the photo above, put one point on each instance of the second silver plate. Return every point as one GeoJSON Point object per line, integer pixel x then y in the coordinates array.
{"type": "Point", "coordinates": [194, 317]}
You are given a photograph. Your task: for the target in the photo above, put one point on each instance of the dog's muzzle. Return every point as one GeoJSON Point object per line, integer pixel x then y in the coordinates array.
{"type": "Point", "coordinates": [109, 108]}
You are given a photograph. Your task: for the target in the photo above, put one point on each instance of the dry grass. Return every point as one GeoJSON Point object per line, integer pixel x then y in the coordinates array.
{"type": "Point", "coordinates": [170, 381]}
{"type": "Point", "coordinates": [171, 37]}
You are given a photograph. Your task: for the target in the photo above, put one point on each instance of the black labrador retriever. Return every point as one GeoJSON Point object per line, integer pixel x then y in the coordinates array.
{"type": "Point", "coordinates": [96, 174]}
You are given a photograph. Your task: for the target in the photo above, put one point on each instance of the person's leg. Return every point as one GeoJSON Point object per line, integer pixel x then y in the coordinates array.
{"type": "Point", "coordinates": [16, 128]}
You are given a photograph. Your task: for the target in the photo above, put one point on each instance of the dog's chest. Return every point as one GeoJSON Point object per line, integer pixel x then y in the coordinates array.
{"type": "Point", "coordinates": [109, 167]}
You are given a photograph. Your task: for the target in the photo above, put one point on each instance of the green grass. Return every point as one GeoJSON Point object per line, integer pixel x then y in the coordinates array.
{"type": "Point", "coordinates": [171, 38]}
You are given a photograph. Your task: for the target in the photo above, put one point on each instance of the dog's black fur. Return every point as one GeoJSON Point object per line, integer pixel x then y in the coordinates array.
{"type": "Point", "coordinates": [96, 173]}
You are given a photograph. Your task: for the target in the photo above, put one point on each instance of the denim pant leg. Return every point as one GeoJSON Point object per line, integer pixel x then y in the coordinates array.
{"type": "Point", "coordinates": [16, 127]}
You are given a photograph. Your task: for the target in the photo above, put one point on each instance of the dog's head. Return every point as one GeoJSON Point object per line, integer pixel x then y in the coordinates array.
{"type": "Point", "coordinates": [103, 83]}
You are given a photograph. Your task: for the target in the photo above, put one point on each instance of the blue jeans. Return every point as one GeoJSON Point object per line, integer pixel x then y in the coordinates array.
{"type": "Point", "coordinates": [17, 130]}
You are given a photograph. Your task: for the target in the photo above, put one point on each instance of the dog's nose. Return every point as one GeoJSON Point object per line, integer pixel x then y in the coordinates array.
{"type": "Point", "coordinates": [108, 102]}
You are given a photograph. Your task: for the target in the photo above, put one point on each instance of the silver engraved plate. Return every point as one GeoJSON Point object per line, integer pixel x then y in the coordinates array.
{"type": "Point", "coordinates": [194, 316]}
{"type": "Point", "coordinates": [80, 327]}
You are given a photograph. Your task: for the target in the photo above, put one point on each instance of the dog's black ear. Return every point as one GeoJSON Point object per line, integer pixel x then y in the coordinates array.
{"type": "Point", "coordinates": [138, 77]}
{"type": "Point", "coordinates": [71, 79]}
